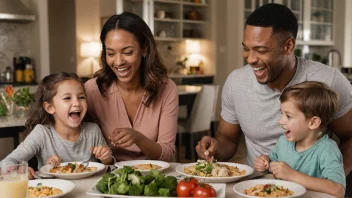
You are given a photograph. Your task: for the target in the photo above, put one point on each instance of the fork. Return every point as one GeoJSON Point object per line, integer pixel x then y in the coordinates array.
{"type": "Point", "coordinates": [86, 163]}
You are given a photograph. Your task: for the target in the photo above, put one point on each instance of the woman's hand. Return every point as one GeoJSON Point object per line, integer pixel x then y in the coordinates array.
{"type": "Point", "coordinates": [31, 173]}
{"type": "Point", "coordinates": [261, 164]}
{"type": "Point", "coordinates": [54, 160]}
{"type": "Point", "coordinates": [125, 137]}
{"type": "Point", "coordinates": [101, 152]}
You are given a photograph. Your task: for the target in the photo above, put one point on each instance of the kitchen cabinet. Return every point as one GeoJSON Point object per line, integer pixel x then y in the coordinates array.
{"type": "Point", "coordinates": [172, 20]}
{"type": "Point", "coordinates": [182, 20]}
{"type": "Point", "coordinates": [315, 19]}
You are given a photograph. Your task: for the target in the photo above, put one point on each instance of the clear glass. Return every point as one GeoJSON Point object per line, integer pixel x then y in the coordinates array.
{"type": "Point", "coordinates": [14, 180]}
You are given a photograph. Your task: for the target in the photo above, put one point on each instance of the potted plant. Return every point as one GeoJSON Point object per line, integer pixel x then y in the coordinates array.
{"type": "Point", "coordinates": [22, 98]}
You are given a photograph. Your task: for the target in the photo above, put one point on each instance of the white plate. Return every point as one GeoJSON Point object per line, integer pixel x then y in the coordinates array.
{"type": "Point", "coordinates": [164, 165]}
{"type": "Point", "coordinates": [219, 188]}
{"type": "Point", "coordinates": [46, 169]}
{"type": "Point", "coordinates": [64, 185]}
{"type": "Point", "coordinates": [297, 189]}
{"type": "Point", "coordinates": [181, 169]}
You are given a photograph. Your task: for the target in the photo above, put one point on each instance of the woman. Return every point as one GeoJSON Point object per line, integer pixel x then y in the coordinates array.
{"type": "Point", "coordinates": [131, 97]}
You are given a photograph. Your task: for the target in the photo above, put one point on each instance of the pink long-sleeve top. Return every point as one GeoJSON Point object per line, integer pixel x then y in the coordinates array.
{"type": "Point", "coordinates": [157, 122]}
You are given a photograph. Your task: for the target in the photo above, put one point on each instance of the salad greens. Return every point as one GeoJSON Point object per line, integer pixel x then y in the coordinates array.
{"type": "Point", "coordinates": [204, 166]}
{"type": "Point", "coordinates": [127, 181]}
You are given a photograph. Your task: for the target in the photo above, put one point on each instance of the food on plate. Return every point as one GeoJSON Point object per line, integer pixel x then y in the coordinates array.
{"type": "Point", "coordinates": [186, 187]}
{"type": "Point", "coordinates": [204, 190]}
{"type": "Point", "coordinates": [42, 191]}
{"type": "Point", "coordinates": [72, 168]}
{"type": "Point", "coordinates": [213, 169]}
{"type": "Point", "coordinates": [268, 190]}
{"type": "Point", "coordinates": [127, 181]}
{"type": "Point", "coordinates": [146, 167]}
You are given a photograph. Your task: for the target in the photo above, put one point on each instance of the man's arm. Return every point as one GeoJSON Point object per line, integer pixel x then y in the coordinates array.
{"type": "Point", "coordinates": [342, 127]}
{"type": "Point", "coordinates": [228, 136]}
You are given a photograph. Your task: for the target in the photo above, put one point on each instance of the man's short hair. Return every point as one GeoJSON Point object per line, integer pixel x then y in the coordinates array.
{"type": "Point", "coordinates": [313, 98]}
{"type": "Point", "coordinates": [274, 15]}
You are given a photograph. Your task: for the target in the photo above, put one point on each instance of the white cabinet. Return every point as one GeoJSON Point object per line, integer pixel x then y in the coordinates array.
{"type": "Point", "coordinates": [139, 7]}
{"type": "Point", "coordinates": [177, 19]}
{"type": "Point", "coordinates": [172, 19]}
{"type": "Point", "coordinates": [314, 18]}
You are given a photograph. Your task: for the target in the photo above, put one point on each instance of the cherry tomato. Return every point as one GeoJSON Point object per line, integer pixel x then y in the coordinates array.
{"type": "Point", "coordinates": [186, 186]}
{"type": "Point", "coordinates": [204, 190]}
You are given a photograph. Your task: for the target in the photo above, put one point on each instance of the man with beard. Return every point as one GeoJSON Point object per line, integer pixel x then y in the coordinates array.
{"type": "Point", "coordinates": [250, 97]}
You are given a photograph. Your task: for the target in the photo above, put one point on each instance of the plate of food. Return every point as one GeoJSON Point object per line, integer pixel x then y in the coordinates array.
{"type": "Point", "coordinates": [126, 182]}
{"type": "Point", "coordinates": [268, 188]}
{"type": "Point", "coordinates": [144, 166]}
{"type": "Point", "coordinates": [49, 188]}
{"type": "Point", "coordinates": [72, 170]}
{"type": "Point", "coordinates": [215, 172]}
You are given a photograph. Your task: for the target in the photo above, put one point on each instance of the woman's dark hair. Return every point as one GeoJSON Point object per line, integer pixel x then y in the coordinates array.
{"type": "Point", "coordinates": [46, 91]}
{"type": "Point", "coordinates": [277, 16]}
{"type": "Point", "coordinates": [152, 70]}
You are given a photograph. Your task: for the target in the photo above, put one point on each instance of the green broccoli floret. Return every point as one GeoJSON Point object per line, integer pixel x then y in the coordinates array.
{"type": "Point", "coordinates": [148, 179]}
{"type": "Point", "coordinates": [135, 178]}
{"type": "Point", "coordinates": [119, 188]}
{"type": "Point", "coordinates": [123, 173]}
{"type": "Point", "coordinates": [105, 181]}
{"type": "Point", "coordinates": [102, 187]}
{"type": "Point", "coordinates": [170, 182]}
{"type": "Point", "coordinates": [136, 190]}
{"type": "Point", "coordinates": [164, 192]}
{"type": "Point", "coordinates": [151, 189]}
{"type": "Point", "coordinates": [157, 176]}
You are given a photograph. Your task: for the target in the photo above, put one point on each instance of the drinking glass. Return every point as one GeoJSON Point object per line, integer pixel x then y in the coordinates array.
{"type": "Point", "coordinates": [14, 180]}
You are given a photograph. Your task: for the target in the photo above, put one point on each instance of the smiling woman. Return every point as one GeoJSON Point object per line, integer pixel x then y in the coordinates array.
{"type": "Point", "coordinates": [131, 97]}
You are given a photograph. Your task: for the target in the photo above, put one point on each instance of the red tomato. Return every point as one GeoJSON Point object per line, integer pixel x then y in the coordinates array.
{"type": "Point", "coordinates": [186, 186]}
{"type": "Point", "coordinates": [204, 190]}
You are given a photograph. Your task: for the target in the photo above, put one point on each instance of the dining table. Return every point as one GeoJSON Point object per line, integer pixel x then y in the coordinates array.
{"type": "Point", "coordinates": [83, 185]}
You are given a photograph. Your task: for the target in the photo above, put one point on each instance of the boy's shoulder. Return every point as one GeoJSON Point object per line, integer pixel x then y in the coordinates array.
{"type": "Point", "coordinates": [328, 144]}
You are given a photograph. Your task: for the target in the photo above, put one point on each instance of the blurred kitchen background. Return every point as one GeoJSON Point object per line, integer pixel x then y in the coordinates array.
{"type": "Point", "coordinates": [199, 40]}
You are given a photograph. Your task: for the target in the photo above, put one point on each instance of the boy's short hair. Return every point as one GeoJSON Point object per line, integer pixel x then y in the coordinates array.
{"type": "Point", "coordinates": [313, 98]}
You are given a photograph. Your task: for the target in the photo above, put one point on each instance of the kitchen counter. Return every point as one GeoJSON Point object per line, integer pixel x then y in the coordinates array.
{"type": "Point", "coordinates": [12, 121]}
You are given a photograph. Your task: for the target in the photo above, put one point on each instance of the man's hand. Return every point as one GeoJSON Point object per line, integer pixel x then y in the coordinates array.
{"type": "Point", "coordinates": [207, 148]}
{"type": "Point", "coordinates": [281, 170]}
{"type": "Point", "coordinates": [261, 164]}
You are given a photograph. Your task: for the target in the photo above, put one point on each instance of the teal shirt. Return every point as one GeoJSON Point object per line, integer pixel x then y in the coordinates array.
{"type": "Point", "coordinates": [322, 160]}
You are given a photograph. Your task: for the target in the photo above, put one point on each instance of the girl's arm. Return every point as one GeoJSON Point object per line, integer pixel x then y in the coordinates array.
{"type": "Point", "coordinates": [318, 184]}
{"type": "Point", "coordinates": [28, 148]}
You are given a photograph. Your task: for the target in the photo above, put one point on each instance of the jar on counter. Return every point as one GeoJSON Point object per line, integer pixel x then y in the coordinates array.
{"type": "Point", "coordinates": [8, 75]}
{"type": "Point", "coordinates": [28, 74]}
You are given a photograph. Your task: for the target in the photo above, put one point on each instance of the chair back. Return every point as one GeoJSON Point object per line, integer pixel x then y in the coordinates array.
{"type": "Point", "coordinates": [202, 109]}
{"type": "Point", "coordinates": [213, 115]}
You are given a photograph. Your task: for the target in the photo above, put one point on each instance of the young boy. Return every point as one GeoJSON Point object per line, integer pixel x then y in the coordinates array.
{"type": "Point", "coordinates": [304, 154]}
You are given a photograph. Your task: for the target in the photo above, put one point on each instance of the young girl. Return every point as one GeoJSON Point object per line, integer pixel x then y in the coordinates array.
{"type": "Point", "coordinates": [56, 132]}
{"type": "Point", "coordinates": [304, 154]}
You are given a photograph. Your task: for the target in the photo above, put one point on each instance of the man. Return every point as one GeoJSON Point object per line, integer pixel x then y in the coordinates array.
{"type": "Point", "coordinates": [250, 97]}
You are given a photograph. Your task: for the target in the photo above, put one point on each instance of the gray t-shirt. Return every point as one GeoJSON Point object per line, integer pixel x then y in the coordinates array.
{"type": "Point", "coordinates": [256, 107]}
{"type": "Point", "coordinates": [43, 142]}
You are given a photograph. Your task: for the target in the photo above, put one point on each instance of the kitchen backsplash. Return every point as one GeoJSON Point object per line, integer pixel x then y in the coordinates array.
{"type": "Point", "coordinates": [14, 41]}
{"type": "Point", "coordinates": [170, 52]}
